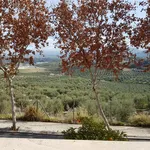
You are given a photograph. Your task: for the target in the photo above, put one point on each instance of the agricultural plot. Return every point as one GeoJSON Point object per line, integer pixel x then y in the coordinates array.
{"type": "Point", "coordinates": [60, 94]}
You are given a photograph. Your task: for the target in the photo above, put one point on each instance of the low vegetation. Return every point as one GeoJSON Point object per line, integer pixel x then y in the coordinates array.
{"type": "Point", "coordinates": [141, 120]}
{"type": "Point", "coordinates": [66, 99]}
{"type": "Point", "coordinates": [91, 130]}
{"type": "Point", "coordinates": [32, 114]}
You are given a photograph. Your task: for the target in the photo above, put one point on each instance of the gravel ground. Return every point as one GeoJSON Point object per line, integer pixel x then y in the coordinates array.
{"type": "Point", "coordinates": [47, 127]}
{"type": "Point", "coordinates": [37, 126]}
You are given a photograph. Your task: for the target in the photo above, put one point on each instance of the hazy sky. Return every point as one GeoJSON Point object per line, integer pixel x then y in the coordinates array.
{"type": "Point", "coordinates": [53, 50]}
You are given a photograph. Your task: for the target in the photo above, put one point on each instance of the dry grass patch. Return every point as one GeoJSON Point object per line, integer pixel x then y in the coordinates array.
{"type": "Point", "coordinates": [141, 120]}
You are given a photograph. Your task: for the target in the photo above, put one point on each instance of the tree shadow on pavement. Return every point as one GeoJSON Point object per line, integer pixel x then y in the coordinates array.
{"type": "Point", "coordinates": [7, 133]}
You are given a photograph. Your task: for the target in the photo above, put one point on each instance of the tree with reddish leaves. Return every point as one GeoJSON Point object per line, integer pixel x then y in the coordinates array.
{"type": "Point", "coordinates": [22, 23]}
{"type": "Point", "coordinates": [140, 38]}
{"type": "Point", "coordinates": [93, 35]}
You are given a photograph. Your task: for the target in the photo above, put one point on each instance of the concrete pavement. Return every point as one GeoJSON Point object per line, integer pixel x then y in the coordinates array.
{"type": "Point", "coordinates": [48, 127]}
{"type": "Point", "coordinates": [41, 135]}
{"type": "Point", "coordinates": [49, 144]}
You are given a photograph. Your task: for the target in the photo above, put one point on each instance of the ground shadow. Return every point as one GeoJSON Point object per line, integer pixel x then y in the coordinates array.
{"type": "Point", "coordinates": [6, 133]}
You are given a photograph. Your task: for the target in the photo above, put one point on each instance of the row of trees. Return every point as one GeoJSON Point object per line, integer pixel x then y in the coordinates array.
{"type": "Point", "coordinates": [91, 35]}
{"type": "Point", "coordinates": [59, 95]}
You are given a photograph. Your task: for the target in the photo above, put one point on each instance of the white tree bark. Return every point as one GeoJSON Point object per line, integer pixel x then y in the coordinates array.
{"type": "Point", "coordinates": [101, 112]}
{"type": "Point", "coordinates": [100, 109]}
{"type": "Point", "coordinates": [12, 98]}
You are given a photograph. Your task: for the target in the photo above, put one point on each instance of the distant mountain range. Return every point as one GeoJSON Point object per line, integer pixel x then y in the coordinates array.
{"type": "Point", "coordinates": [55, 54]}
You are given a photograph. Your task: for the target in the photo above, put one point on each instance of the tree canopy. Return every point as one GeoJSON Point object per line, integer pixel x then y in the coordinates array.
{"type": "Point", "coordinates": [22, 23]}
{"type": "Point", "coordinates": [140, 38]}
{"type": "Point", "coordinates": [94, 33]}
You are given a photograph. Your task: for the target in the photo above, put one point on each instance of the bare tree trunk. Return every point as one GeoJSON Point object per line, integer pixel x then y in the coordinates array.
{"type": "Point", "coordinates": [12, 98]}
{"type": "Point", "coordinates": [101, 112]}
{"type": "Point", "coordinates": [100, 109]}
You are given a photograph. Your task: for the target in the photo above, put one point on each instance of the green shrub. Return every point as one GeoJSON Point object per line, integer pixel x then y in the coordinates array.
{"type": "Point", "coordinates": [31, 114]}
{"type": "Point", "coordinates": [92, 130]}
{"type": "Point", "coordinates": [5, 116]}
{"type": "Point", "coordinates": [54, 107]}
{"type": "Point", "coordinates": [5, 107]}
{"type": "Point", "coordinates": [141, 102]}
{"type": "Point", "coordinates": [119, 108]}
{"type": "Point", "coordinates": [22, 103]}
{"type": "Point", "coordinates": [141, 120]}
{"type": "Point", "coordinates": [79, 113]}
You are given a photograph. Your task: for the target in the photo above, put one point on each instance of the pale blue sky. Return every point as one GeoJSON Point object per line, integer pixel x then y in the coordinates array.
{"type": "Point", "coordinates": [52, 1]}
{"type": "Point", "coordinates": [137, 12]}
